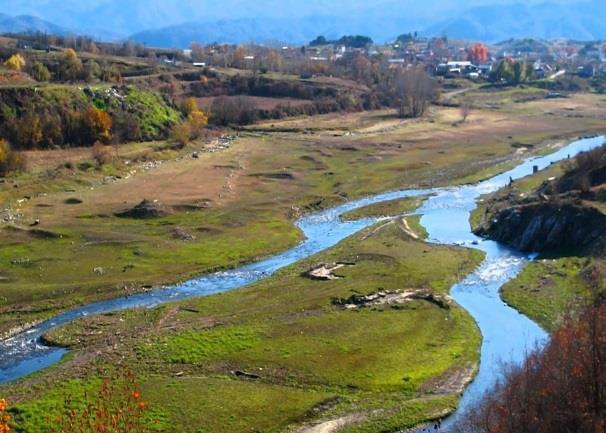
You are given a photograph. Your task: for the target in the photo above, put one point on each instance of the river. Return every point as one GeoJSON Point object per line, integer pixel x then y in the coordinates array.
{"type": "Point", "coordinates": [507, 334]}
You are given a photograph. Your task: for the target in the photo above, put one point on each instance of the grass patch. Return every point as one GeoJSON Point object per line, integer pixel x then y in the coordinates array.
{"type": "Point", "coordinates": [196, 347]}
{"type": "Point", "coordinates": [303, 348]}
{"type": "Point", "coordinates": [549, 288]}
{"type": "Point", "coordinates": [385, 209]}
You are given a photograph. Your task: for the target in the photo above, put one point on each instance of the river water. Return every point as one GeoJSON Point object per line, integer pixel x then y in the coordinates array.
{"type": "Point", "coordinates": [507, 334]}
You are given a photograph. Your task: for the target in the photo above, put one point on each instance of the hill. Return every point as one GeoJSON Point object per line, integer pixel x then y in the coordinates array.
{"type": "Point", "coordinates": [27, 23]}
{"type": "Point", "coordinates": [564, 214]}
{"type": "Point", "coordinates": [549, 20]}
{"type": "Point", "coordinates": [168, 24]}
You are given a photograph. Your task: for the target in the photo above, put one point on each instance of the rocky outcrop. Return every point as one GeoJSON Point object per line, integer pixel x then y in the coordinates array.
{"type": "Point", "coordinates": [546, 226]}
{"type": "Point", "coordinates": [145, 210]}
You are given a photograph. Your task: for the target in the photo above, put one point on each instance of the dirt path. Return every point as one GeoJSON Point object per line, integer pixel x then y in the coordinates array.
{"type": "Point", "coordinates": [332, 426]}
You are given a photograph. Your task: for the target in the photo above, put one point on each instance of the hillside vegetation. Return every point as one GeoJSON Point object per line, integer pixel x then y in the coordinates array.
{"type": "Point", "coordinates": [558, 213]}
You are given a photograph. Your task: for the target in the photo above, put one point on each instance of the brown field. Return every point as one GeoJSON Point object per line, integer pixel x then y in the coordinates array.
{"type": "Point", "coordinates": [261, 102]}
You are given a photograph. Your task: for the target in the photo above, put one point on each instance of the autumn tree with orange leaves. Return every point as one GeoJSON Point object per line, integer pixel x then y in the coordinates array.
{"type": "Point", "coordinates": [478, 53]}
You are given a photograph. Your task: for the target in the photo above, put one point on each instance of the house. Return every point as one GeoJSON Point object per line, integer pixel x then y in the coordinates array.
{"type": "Point", "coordinates": [457, 69]}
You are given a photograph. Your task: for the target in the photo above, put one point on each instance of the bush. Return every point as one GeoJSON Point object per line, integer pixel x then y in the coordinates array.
{"type": "Point", "coordinates": [16, 62]}
{"type": "Point", "coordinates": [561, 389]}
{"type": "Point", "coordinates": [102, 154]}
{"type": "Point", "coordinates": [4, 417]}
{"type": "Point", "coordinates": [240, 110]}
{"type": "Point", "coordinates": [181, 133]}
{"type": "Point", "coordinates": [40, 72]}
{"type": "Point", "coordinates": [10, 160]}
{"type": "Point", "coordinates": [117, 407]}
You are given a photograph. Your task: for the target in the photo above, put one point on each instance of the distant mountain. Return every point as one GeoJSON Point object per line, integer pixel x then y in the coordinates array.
{"type": "Point", "coordinates": [133, 16]}
{"type": "Point", "coordinates": [27, 23]}
{"type": "Point", "coordinates": [492, 23]}
{"type": "Point", "coordinates": [177, 23]}
{"type": "Point", "coordinates": [573, 20]}
{"type": "Point", "coordinates": [264, 30]}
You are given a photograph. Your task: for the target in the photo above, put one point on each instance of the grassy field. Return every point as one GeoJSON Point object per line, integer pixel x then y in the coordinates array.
{"type": "Point", "coordinates": [549, 289]}
{"type": "Point", "coordinates": [239, 204]}
{"type": "Point", "coordinates": [313, 358]}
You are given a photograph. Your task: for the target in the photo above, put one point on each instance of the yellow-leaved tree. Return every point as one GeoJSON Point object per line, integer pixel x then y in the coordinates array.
{"type": "Point", "coordinates": [9, 161]}
{"type": "Point", "coordinates": [16, 62]}
{"type": "Point", "coordinates": [195, 122]}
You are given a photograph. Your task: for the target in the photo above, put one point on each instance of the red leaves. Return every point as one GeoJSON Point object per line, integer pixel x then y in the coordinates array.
{"type": "Point", "coordinates": [559, 389]}
{"type": "Point", "coordinates": [478, 53]}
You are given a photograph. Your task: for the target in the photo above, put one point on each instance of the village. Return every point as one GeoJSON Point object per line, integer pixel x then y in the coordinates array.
{"type": "Point", "coordinates": [439, 56]}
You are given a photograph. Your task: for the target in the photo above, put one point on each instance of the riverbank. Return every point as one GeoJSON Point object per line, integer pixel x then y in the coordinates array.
{"type": "Point", "coordinates": [231, 207]}
{"type": "Point", "coordinates": [289, 342]}
{"type": "Point", "coordinates": [445, 216]}
{"type": "Point", "coordinates": [557, 213]}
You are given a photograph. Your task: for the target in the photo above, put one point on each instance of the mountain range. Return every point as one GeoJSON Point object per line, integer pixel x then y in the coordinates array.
{"type": "Point", "coordinates": [177, 24]}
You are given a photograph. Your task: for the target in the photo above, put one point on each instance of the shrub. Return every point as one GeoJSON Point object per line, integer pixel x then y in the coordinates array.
{"type": "Point", "coordinates": [16, 62]}
{"type": "Point", "coordinates": [40, 72]}
{"type": "Point", "coordinates": [98, 125]}
{"type": "Point", "coordinates": [197, 122]}
{"type": "Point", "coordinates": [4, 417]}
{"type": "Point", "coordinates": [10, 160]}
{"type": "Point", "coordinates": [102, 154]}
{"type": "Point", "coordinates": [181, 133]}
{"type": "Point", "coordinates": [240, 110]}
{"type": "Point", "coordinates": [560, 389]}
{"type": "Point", "coordinates": [189, 106]}
{"type": "Point", "coordinates": [117, 407]}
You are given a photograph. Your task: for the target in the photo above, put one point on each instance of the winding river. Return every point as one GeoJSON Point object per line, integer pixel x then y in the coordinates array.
{"type": "Point", "coordinates": [508, 335]}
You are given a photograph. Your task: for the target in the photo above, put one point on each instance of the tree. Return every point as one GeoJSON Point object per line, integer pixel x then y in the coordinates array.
{"type": "Point", "coordinates": [519, 72]}
{"type": "Point", "coordinates": [28, 130]}
{"type": "Point", "coordinates": [478, 53]}
{"type": "Point", "coordinates": [240, 110]}
{"type": "Point", "coordinates": [197, 52]}
{"type": "Point", "coordinates": [357, 41]}
{"type": "Point", "coordinates": [559, 389]}
{"type": "Point", "coordinates": [197, 121]}
{"type": "Point", "coordinates": [503, 71]}
{"type": "Point", "coordinates": [40, 72]}
{"type": "Point", "coordinates": [189, 106]}
{"type": "Point", "coordinates": [415, 89]}
{"type": "Point", "coordinates": [16, 62]}
{"type": "Point", "coordinates": [320, 40]}
{"type": "Point", "coordinates": [9, 161]}
{"type": "Point", "coordinates": [102, 154]}
{"type": "Point", "coordinates": [71, 66]}
{"type": "Point", "coordinates": [239, 59]}
{"type": "Point", "coordinates": [91, 71]}
{"type": "Point", "coordinates": [405, 38]}
{"type": "Point", "coordinates": [181, 133]}
{"type": "Point", "coordinates": [97, 124]}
